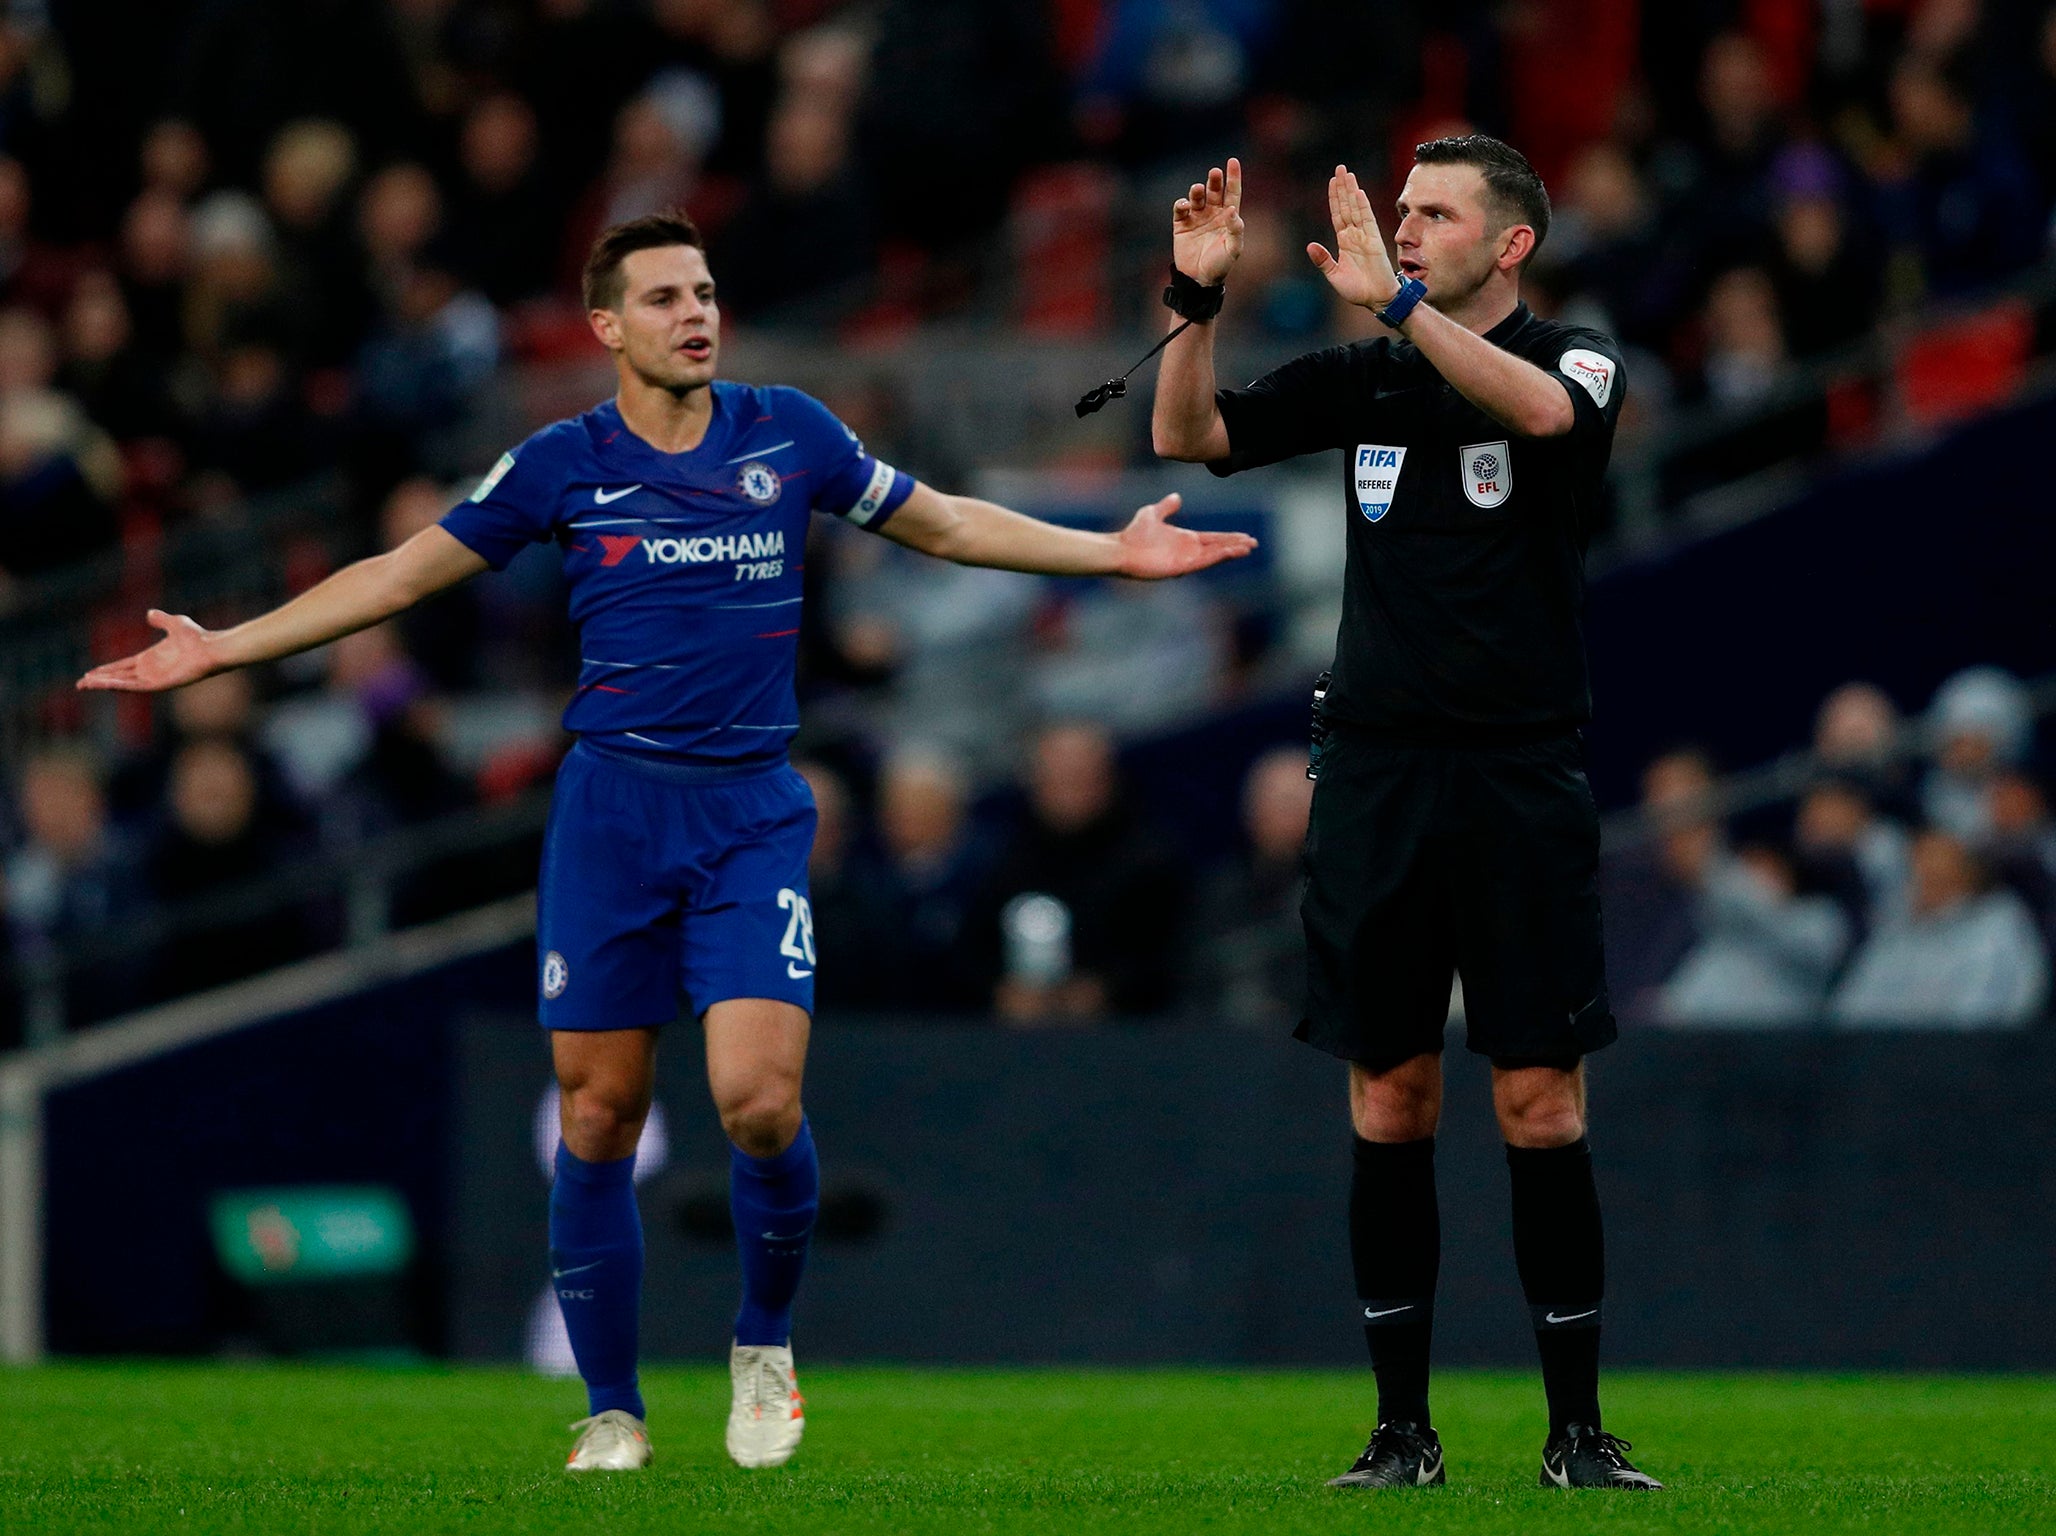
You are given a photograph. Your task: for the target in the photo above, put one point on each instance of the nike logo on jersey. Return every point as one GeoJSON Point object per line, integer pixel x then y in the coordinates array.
{"type": "Point", "coordinates": [1388, 1312]}
{"type": "Point", "coordinates": [1551, 1317]}
{"type": "Point", "coordinates": [795, 972]}
{"type": "Point", "coordinates": [607, 498]}
{"type": "Point", "coordinates": [579, 1269]}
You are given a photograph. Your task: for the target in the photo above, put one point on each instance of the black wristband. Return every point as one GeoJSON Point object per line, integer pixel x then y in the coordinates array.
{"type": "Point", "coordinates": [1193, 300]}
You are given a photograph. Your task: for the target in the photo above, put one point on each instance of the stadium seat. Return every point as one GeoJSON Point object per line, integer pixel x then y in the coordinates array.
{"type": "Point", "coordinates": [548, 331]}
{"type": "Point", "coordinates": [1061, 240]}
{"type": "Point", "coordinates": [1964, 366]}
{"type": "Point", "coordinates": [1852, 410]}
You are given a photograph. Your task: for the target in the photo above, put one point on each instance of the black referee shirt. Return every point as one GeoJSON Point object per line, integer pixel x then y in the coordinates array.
{"type": "Point", "coordinates": [1462, 595]}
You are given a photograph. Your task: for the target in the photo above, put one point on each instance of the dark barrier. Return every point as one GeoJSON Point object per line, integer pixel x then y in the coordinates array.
{"type": "Point", "coordinates": [355, 1091]}
{"type": "Point", "coordinates": [1125, 1195]}
{"type": "Point", "coordinates": [1177, 1194]}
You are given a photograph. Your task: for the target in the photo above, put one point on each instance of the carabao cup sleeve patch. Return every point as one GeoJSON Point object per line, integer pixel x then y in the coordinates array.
{"type": "Point", "coordinates": [493, 477]}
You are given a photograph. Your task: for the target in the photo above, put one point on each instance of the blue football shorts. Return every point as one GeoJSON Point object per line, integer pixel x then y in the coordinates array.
{"type": "Point", "coordinates": [660, 883]}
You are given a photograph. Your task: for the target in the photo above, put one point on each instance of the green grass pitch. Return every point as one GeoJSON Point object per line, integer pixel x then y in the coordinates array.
{"type": "Point", "coordinates": [171, 1448]}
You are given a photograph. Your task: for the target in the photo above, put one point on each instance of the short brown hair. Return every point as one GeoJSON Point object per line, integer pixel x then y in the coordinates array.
{"type": "Point", "coordinates": [1510, 182]}
{"type": "Point", "coordinates": [604, 284]}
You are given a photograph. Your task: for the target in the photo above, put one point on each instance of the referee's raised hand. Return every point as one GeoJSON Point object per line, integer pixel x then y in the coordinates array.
{"type": "Point", "coordinates": [1206, 226]}
{"type": "Point", "coordinates": [1359, 270]}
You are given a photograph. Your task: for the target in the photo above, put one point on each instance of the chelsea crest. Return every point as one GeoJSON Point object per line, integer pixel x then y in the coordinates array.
{"type": "Point", "coordinates": [759, 482]}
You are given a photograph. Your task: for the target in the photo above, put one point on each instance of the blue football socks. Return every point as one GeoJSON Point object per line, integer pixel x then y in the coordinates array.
{"type": "Point", "coordinates": [773, 1200]}
{"type": "Point", "coordinates": [596, 1266]}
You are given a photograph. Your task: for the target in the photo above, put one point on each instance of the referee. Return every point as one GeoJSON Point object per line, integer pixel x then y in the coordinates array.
{"type": "Point", "coordinates": [1453, 832]}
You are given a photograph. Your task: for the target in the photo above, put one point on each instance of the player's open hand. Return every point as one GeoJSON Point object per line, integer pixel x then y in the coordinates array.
{"type": "Point", "coordinates": [1359, 270]}
{"type": "Point", "coordinates": [182, 656]}
{"type": "Point", "coordinates": [1206, 226]}
{"type": "Point", "coordinates": [1151, 548]}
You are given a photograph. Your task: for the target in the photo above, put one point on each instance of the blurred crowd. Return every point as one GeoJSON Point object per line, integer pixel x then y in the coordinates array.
{"type": "Point", "coordinates": [237, 824]}
{"type": "Point", "coordinates": [1052, 897]}
{"type": "Point", "coordinates": [242, 243]}
{"type": "Point", "coordinates": [1061, 900]}
{"type": "Point", "coordinates": [241, 240]}
{"type": "Point", "coordinates": [1787, 190]}
{"type": "Point", "coordinates": [1913, 881]}
{"type": "Point", "coordinates": [296, 773]}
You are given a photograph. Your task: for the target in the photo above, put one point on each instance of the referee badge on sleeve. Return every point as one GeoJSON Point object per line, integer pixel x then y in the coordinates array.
{"type": "Point", "coordinates": [1590, 371]}
{"type": "Point", "coordinates": [1377, 477]}
{"type": "Point", "coordinates": [1487, 473]}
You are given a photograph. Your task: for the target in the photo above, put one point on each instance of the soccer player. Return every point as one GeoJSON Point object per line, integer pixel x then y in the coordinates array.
{"type": "Point", "coordinates": [1452, 829]}
{"type": "Point", "coordinates": [675, 861]}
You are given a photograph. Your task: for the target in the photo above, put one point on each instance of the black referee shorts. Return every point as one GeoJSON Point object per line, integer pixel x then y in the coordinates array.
{"type": "Point", "coordinates": [1425, 863]}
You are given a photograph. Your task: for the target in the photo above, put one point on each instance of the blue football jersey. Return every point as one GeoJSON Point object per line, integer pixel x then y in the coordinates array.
{"type": "Point", "coordinates": [684, 568]}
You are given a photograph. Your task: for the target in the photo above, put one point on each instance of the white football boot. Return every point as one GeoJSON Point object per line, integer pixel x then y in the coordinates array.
{"type": "Point", "coordinates": [614, 1441]}
{"type": "Point", "coordinates": [767, 1415]}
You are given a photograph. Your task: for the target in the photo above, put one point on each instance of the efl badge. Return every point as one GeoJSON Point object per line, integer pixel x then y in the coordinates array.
{"type": "Point", "coordinates": [875, 492]}
{"type": "Point", "coordinates": [1377, 477]}
{"type": "Point", "coordinates": [759, 482]}
{"type": "Point", "coordinates": [1593, 371]}
{"type": "Point", "coordinates": [556, 975]}
{"type": "Point", "coordinates": [1487, 473]}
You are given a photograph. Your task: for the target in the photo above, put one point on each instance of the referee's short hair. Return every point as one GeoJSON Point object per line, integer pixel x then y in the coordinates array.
{"type": "Point", "coordinates": [604, 284]}
{"type": "Point", "coordinates": [1510, 182]}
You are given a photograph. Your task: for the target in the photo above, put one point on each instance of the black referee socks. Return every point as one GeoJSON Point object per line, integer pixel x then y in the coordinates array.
{"type": "Point", "coordinates": [1395, 1244]}
{"type": "Point", "coordinates": [1560, 1249]}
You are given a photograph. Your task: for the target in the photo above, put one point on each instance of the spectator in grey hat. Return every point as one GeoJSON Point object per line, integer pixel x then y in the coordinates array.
{"type": "Point", "coordinates": [1982, 721]}
{"type": "Point", "coordinates": [235, 293]}
{"type": "Point", "coordinates": [1961, 955]}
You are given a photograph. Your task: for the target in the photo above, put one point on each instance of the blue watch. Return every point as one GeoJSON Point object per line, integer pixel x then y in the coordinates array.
{"type": "Point", "coordinates": [1411, 291]}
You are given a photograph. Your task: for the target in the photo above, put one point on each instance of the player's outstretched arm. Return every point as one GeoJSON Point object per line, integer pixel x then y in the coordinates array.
{"type": "Point", "coordinates": [1509, 389]}
{"type": "Point", "coordinates": [354, 598]}
{"type": "Point", "coordinates": [973, 532]}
